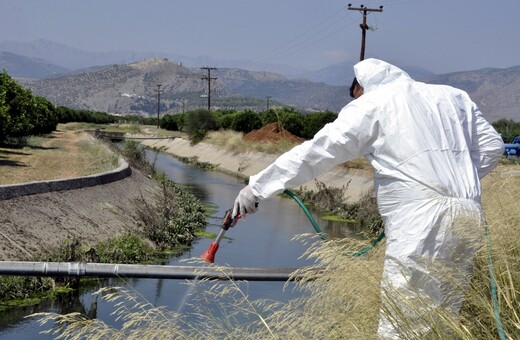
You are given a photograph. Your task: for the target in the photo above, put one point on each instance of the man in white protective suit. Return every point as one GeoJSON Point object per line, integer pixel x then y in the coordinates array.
{"type": "Point", "coordinates": [429, 146]}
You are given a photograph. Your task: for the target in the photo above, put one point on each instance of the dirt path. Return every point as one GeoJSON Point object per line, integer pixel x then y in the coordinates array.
{"type": "Point", "coordinates": [62, 154]}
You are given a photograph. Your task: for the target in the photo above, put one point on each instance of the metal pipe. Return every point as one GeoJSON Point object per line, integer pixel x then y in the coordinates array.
{"type": "Point", "coordinates": [82, 269]}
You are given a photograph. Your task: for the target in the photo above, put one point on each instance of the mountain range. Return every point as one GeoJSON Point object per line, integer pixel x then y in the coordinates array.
{"type": "Point", "coordinates": [126, 82]}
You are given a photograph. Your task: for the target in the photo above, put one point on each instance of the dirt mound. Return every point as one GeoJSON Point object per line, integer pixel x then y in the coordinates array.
{"type": "Point", "coordinates": [272, 132]}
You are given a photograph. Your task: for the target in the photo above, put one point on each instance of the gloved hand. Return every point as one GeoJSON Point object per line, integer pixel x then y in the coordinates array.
{"type": "Point", "coordinates": [245, 203]}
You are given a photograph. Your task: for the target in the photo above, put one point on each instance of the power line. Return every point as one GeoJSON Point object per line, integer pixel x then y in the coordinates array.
{"type": "Point", "coordinates": [309, 41]}
{"type": "Point", "coordinates": [300, 40]}
{"type": "Point", "coordinates": [283, 45]}
{"type": "Point", "coordinates": [293, 51]}
{"type": "Point", "coordinates": [307, 38]}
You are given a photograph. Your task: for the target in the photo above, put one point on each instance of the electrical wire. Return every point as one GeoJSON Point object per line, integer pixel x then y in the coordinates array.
{"type": "Point", "coordinates": [314, 42]}
{"type": "Point", "coordinates": [306, 39]}
{"type": "Point", "coordinates": [291, 41]}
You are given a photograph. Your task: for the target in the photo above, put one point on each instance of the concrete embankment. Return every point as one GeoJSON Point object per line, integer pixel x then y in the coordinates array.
{"type": "Point", "coordinates": [245, 164]}
{"type": "Point", "coordinates": [36, 217]}
{"type": "Point", "coordinates": [39, 187]}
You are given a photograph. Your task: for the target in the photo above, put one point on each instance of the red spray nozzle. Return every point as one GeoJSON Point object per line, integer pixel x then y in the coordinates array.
{"type": "Point", "coordinates": [209, 254]}
{"type": "Point", "coordinates": [227, 221]}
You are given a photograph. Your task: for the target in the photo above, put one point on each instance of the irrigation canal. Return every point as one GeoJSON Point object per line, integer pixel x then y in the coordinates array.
{"type": "Point", "coordinates": [262, 240]}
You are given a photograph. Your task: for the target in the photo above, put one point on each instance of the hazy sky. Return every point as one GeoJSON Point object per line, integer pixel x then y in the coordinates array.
{"type": "Point", "coordinates": [439, 35]}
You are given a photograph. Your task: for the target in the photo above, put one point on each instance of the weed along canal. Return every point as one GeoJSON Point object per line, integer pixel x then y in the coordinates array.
{"type": "Point", "coordinates": [263, 240]}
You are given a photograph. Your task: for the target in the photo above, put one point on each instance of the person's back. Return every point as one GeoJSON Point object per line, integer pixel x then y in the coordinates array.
{"type": "Point", "coordinates": [426, 137]}
{"type": "Point", "coordinates": [429, 146]}
{"type": "Point", "coordinates": [432, 146]}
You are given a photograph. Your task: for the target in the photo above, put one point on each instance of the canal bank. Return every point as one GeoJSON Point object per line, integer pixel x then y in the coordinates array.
{"type": "Point", "coordinates": [35, 224]}
{"type": "Point", "coordinates": [246, 164]}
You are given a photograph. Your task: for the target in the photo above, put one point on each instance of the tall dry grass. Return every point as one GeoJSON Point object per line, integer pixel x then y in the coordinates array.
{"type": "Point", "coordinates": [342, 302]}
{"type": "Point", "coordinates": [232, 140]}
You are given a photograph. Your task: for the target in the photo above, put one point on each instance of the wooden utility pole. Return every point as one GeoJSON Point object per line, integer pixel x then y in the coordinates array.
{"type": "Point", "coordinates": [268, 103]}
{"type": "Point", "coordinates": [159, 91]}
{"type": "Point", "coordinates": [209, 79]}
{"type": "Point", "coordinates": [364, 10]}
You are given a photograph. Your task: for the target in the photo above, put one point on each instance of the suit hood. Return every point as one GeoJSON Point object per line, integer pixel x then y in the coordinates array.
{"type": "Point", "coordinates": [373, 73]}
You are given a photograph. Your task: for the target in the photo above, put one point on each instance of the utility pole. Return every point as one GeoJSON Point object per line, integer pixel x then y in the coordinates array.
{"type": "Point", "coordinates": [364, 10]}
{"type": "Point", "coordinates": [268, 103]}
{"type": "Point", "coordinates": [209, 79]}
{"type": "Point", "coordinates": [159, 91]}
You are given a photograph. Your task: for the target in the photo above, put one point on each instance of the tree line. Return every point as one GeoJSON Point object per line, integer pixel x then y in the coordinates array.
{"type": "Point", "coordinates": [198, 123]}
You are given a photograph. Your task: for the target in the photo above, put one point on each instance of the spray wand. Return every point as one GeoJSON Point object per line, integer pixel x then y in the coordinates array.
{"type": "Point", "coordinates": [227, 222]}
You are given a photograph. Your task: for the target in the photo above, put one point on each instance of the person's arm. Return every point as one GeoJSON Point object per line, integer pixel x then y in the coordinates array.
{"type": "Point", "coordinates": [487, 145]}
{"type": "Point", "coordinates": [348, 137]}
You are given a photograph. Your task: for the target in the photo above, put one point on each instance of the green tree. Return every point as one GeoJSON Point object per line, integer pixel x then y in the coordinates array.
{"type": "Point", "coordinates": [507, 128]}
{"type": "Point", "coordinates": [21, 113]}
{"type": "Point", "coordinates": [197, 124]}
{"type": "Point", "coordinates": [169, 122]}
{"type": "Point", "coordinates": [65, 114]}
{"type": "Point", "coordinates": [4, 109]}
{"type": "Point", "coordinates": [287, 118]}
{"type": "Point", "coordinates": [45, 117]}
{"type": "Point", "coordinates": [225, 117]}
{"type": "Point", "coordinates": [226, 121]}
{"type": "Point", "coordinates": [269, 117]}
{"type": "Point", "coordinates": [313, 122]}
{"type": "Point", "coordinates": [246, 121]}
{"type": "Point", "coordinates": [19, 104]}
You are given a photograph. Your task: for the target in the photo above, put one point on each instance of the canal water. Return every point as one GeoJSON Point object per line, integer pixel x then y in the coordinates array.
{"type": "Point", "coordinates": [263, 240]}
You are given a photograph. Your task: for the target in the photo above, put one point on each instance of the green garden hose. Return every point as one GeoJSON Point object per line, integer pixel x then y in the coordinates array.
{"type": "Point", "coordinates": [493, 283]}
{"type": "Point", "coordinates": [494, 297]}
{"type": "Point", "coordinates": [324, 235]}
{"type": "Point", "coordinates": [308, 213]}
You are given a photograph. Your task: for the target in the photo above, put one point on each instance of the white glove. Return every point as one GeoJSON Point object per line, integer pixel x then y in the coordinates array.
{"type": "Point", "coordinates": [245, 203]}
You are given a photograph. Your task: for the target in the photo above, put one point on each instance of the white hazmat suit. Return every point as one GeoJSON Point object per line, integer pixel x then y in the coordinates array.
{"type": "Point", "coordinates": [429, 146]}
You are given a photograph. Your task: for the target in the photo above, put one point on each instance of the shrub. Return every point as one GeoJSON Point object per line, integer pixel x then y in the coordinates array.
{"type": "Point", "coordinates": [314, 122]}
{"type": "Point", "coordinates": [197, 124]}
{"type": "Point", "coordinates": [246, 121]}
{"type": "Point", "coordinates": [123, 249]}
{"type": "Point", "coordinates": [173, 217]}
{"type": "Point", "coordinates": [226, 121]}
{"type": "Point", "coordinates": [507, 128]}
{"type": "Point", "coordinates": [169, 122]}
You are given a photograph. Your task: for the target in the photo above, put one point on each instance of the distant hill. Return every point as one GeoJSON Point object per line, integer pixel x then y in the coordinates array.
{"type": "Point", "coordinates": [128, 86]}
{"type": "Point", "coordinates": [131, 88]}
{"type": "Point", "coordinates": [74, 59]}
{"type": "Point", "coordinates": [300, 93]}
{"type": "Point", "coordinates": [496, 91]}
{"type": "Point", "coordinates": [21, 66]}
{"type": "Point", "coordinates": [69, 57]}
{"type": "Point", "coordinates": [341, 74]}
